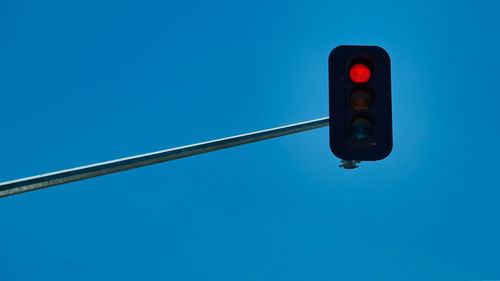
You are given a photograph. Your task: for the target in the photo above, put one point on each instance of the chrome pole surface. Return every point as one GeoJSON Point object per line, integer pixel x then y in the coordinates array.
{"type": "Point", "coordinates": [95, 170]}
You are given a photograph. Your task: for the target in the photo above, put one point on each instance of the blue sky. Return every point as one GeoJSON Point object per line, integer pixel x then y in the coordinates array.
{"type": "Point", "coordinates": [89, 81]}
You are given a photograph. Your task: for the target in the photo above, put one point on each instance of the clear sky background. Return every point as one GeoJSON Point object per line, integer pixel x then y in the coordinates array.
{"type": "Point", "coordinates": [89, 81]}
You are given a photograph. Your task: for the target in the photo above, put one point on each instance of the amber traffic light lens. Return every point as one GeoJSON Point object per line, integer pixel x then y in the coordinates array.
{"type": "Point", "coordinates": [361, 128]}
{"type": "Point", "coordinates": [361, 99]}
{"type": "Point", "coordinates": [360, 73]}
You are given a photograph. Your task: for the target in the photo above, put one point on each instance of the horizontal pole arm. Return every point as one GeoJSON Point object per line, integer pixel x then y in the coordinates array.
{"type": "Point", "coordinates": [95, 170]}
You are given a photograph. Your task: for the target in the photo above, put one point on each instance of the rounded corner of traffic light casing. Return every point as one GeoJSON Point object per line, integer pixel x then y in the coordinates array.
{"type": "Point", "coordinates": [360, 103]}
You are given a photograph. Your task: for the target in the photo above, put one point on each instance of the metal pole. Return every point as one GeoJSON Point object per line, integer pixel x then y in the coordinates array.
{"type": "Point", "coordinates": [85, 172]}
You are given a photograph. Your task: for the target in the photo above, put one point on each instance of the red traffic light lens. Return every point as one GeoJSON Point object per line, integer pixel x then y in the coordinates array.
{"type": "Point", "coordinates": [360, 73]}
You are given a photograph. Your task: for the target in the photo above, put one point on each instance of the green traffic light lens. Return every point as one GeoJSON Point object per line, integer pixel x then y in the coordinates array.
{"type": "Point", "coordinates": [361, 99]}
{"type": "Point", "coordinates": [361, 128]}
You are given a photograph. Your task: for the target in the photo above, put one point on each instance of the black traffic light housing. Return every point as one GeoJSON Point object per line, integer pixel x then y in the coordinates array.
{"type": "Point", "coordinates": [360, 103]}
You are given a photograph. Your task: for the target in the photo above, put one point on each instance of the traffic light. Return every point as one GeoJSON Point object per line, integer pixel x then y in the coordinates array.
{"type": "Point", "coordinates": [360, 103]}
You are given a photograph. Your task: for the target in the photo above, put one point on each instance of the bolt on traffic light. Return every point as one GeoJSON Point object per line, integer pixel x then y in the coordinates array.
{"type": "Point", "coordinates": [360, 103]}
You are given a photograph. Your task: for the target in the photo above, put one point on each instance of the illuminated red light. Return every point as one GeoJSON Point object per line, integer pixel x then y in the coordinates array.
{"type": "Point", "coordinates": [360, 73]}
